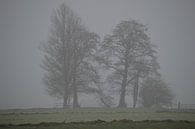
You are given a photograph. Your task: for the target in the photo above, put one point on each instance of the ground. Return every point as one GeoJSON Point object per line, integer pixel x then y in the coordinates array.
{"type": "Point", "coordinates": [104, 118]}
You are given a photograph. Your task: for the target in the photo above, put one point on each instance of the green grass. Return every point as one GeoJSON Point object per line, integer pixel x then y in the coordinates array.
{"type": "Point", "coordinates": [87, 114]}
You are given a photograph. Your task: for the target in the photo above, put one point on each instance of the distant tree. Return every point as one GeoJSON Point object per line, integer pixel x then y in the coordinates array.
{"type": "Point", "coordinates": [68, 57]}
{"type": "Point", "coordinates": [155, 92]}
{"type": "Point", "coordinates": [129, 55]}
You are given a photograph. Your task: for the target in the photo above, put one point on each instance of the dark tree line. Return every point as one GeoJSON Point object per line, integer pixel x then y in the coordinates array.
{"type": "Point", "coordinates": [74, 56]}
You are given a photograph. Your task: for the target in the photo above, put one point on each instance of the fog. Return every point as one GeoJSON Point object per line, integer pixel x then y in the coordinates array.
{"type": "Point", "coordinates": [24, 24]}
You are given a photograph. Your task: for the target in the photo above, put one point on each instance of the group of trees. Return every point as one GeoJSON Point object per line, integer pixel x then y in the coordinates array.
{"type": "Point", "coordinates": [74, 56]}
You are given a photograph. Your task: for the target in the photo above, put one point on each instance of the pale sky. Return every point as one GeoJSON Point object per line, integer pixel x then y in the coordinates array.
{"type": "Point", "coordinates": [25, 23]}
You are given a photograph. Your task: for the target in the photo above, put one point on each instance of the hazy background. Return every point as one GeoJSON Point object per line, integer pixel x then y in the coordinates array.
{"type": "Point", "coordinates": [25, 23]}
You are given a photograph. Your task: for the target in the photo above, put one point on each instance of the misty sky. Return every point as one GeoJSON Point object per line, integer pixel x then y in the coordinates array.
{"type": "Point", "coordinates": [25, 23]}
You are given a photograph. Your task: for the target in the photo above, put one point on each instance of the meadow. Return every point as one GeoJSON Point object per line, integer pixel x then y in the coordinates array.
{"type": "Point", "coordinates": [95, 118]}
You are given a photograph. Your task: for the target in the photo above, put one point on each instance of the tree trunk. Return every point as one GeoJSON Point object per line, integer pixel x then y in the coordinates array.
{"type": "Point", "coordinates": [65, 72]}
{"type": "Point", "coordinates": [75, 100]}
{"type": "Point", "coordinates": [74, 83]}
{"type": "Point", "coordinates": [75, 96]}
{"type": "Point", "coordinates": [123, 86]}
{"type": "Point", "coordinates": [124, 81]}
{"type": "Point", "coordinates": [65, 101]}
{"type": "Point", "coordinates": [122, 96]}
{"type": "Point", "coordinates": [135, 91]}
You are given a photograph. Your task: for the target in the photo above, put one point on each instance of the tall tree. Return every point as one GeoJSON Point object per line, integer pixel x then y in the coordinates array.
{"type": "Point", "coordinates": [144, 65]}
{"type": "Point", "coordinates": [68, 53]}
{"type": "Point", "coordinates": [129, 54]}
{"type": "Point", "coordinates": [84, 70]}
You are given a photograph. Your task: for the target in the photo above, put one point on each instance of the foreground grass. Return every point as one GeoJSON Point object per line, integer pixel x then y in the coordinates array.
{"type": "Point", "coordinates": [122, 124]}
{"type": "Point", "coordinates": [35, 116]}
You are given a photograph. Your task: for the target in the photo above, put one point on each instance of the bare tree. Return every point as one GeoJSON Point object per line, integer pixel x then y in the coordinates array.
{"type": "Point", "coordinates": [68, 55]}
{"type": "Point", "coordinates": [144, 65]}
{"type": "Point", "coordinates": [129, 54]}
{"type": "Point", "coordinates": [84, 69]}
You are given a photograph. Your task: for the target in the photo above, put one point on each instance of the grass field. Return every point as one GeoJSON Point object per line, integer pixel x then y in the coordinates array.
{"type": "Point", "coordinates": [35, 116]}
